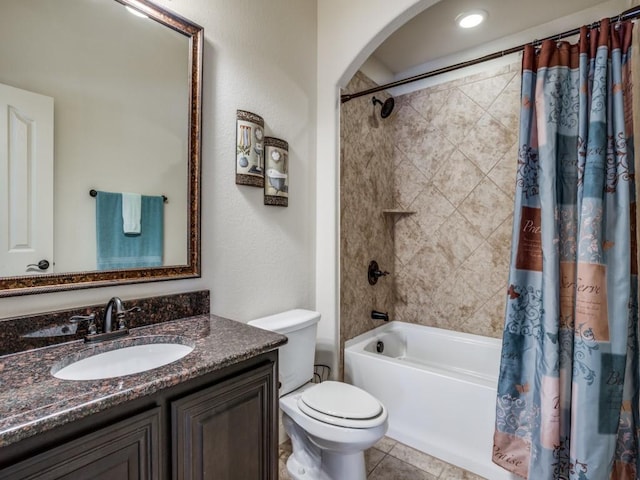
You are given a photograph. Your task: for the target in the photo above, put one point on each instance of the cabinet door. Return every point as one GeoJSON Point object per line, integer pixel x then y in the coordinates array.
{"type": "Point", "coordinates": [227, 431]}
{"type": "Point", "coordinates": [125, 450]}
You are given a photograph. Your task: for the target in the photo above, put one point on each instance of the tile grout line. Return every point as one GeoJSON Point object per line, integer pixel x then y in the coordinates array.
{"type": "Point", "coordinates": [377, 464]}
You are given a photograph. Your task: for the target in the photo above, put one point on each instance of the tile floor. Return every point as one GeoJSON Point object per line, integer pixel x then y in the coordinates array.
{"type": "Point", "coordinates": [391, 460]}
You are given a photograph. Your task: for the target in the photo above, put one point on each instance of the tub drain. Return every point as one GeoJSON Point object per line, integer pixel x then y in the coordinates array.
{"type": "Point", "coordinates": [380, 347]}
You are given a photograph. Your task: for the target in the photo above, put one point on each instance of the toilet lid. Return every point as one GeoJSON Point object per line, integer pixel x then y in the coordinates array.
{"type": "Point", "coordinates": [340, 404]}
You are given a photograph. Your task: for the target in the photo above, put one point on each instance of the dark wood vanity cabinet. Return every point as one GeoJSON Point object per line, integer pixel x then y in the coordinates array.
{"type": "Point", "coordinates": [221, 426]}
{"type": "Point", "coordinates": [224, 432]}
{"type": "Point", "coordinates": [129, 449]}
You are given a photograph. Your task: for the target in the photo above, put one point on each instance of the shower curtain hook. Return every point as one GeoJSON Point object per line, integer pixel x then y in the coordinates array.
{"type": "Point", "coordinates": [618, 24]}
{"type": "Point", "coordinates": [537, 45]}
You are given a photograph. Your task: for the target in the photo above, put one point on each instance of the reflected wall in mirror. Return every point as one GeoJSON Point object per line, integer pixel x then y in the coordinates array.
{"type": "Point", "coordinates": [93, 97]}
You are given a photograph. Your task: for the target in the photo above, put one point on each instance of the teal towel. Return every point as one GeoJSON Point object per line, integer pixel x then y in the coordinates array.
{"type": "Point", "coordinates": [117, 250]}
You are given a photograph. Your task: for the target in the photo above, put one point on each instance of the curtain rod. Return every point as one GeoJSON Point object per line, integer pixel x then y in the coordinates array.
{"type": "Point", "coordinates": [629, 14]}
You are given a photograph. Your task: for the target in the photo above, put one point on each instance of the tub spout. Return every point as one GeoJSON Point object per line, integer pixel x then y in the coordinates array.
{"type": "Point", "coordinates": [376, 315]}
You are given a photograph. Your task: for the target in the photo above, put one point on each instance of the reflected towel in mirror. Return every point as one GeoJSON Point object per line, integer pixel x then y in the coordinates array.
{"type": "Point", "coordinates": [131, 205]}
{"type": "Point", "coordinates": [117, 250]}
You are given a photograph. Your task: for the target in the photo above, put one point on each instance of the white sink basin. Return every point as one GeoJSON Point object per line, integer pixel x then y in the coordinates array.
{"type": "Point", "coordinates": [123, 361]}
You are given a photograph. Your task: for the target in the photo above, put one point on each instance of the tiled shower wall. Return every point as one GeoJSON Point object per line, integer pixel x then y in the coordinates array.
{"type": "Point", "coordinates": [366, 189]}
{"type": "Point", "coordinates": [448, 153]}
{"type": "Point", "coordinates": [455, 156]}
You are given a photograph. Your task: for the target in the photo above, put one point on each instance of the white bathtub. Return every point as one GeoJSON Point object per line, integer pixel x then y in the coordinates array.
{"type": "Point", "coordinates": [439, 387]}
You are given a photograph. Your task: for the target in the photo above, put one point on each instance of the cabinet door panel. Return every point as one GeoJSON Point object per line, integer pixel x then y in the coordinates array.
{"type": "Point", "coordinates": [225, 432]}
{"type": "Point", "coordinates": [127, 450]}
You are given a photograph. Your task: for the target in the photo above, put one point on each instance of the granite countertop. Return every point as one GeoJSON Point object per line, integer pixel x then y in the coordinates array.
{"type": "Point", "coordinates": [32, 400]}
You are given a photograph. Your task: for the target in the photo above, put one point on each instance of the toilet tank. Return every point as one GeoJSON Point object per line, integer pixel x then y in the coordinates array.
{"type": "Point", "coordinates": [295, 358]}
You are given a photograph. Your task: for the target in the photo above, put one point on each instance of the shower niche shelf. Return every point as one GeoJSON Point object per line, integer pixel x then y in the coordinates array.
{"type": "Point", "coordinates": [397, 211]}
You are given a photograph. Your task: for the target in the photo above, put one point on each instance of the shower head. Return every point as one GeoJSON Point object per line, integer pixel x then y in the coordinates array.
{"type": "Point", "coordinates": [387, 106]}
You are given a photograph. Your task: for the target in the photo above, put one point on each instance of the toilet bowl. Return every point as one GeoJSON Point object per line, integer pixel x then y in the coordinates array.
{"type": "Point", "coordinates": [326, 444]}
{"type": "Point", "coordinates": [330, 424]}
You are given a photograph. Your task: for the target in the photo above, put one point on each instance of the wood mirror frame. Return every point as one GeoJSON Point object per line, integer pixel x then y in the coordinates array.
{"type": "Point", "coordinates": [45, 283]}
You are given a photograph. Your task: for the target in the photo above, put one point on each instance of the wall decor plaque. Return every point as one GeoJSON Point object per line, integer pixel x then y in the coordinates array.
{"type": "Point", "coordinates": [249, 149]}
{"type": "Point", "coordinates": [276, 184]}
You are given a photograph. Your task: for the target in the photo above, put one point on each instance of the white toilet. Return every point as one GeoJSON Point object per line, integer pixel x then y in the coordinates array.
{"type": "Point", "coordinates": [330, 424]}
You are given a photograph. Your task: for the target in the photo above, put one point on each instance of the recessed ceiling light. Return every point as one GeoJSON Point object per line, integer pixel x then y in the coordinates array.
{"type": "Point", "coordinates": [471, 19]}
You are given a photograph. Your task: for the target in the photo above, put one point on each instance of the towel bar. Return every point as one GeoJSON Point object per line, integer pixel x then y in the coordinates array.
{"type": "Point", "coordinates": [93, 193]}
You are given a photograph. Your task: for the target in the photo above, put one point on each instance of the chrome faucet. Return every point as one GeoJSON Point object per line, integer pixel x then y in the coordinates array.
{"type": "Point", "coordinates": [109, 329]}
{"type": "Point", "coordinates": [115, 304]}
{"type": "Point", "coordinates": [107, 324]}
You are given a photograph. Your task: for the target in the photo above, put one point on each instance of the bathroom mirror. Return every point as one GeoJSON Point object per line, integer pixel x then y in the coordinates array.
{"type": "Point", "coordinates": [116, 87]}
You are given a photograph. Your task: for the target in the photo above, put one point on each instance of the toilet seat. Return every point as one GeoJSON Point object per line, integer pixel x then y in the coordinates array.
{"type": "Point", "coordinates": [342, 405]}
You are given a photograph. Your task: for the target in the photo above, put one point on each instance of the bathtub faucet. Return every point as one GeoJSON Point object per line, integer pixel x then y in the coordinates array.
{"type": "Point", "coordinates": [376, 315]}
{"type": "Point", "coordinates": [374, 272]}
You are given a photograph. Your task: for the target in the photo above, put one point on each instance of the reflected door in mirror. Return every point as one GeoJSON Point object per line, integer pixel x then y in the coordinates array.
{"type": "Point", "coordinates": [26, 182]}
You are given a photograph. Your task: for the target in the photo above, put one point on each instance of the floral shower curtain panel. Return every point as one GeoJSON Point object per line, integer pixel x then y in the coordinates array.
{"type": "Point", "coordinates": [567, 401]}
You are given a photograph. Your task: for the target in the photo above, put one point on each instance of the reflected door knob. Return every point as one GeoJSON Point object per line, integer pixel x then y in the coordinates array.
{"type": "Point", "coordinates": [42, 265]}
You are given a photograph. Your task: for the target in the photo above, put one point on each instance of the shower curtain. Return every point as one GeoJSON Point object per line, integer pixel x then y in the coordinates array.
{"type": "Point", "coordinates": [567, 401]}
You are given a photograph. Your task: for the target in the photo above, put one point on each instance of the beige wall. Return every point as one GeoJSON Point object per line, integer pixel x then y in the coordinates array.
{"type": "Point", "coordinates": [454, 153]}
{"type": "Point", "coordinates": [366, 189]}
